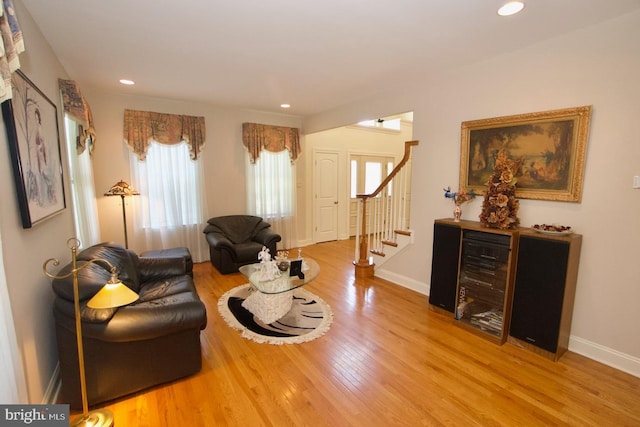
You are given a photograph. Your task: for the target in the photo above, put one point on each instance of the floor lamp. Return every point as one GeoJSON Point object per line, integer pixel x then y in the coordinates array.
{"type": "Point", "coordinates": [113, 294]}
{"type": "Point", "coordinates": [122, 189]}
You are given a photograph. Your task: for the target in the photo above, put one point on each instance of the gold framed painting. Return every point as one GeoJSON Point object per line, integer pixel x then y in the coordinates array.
{"type": "Point", "coordinates": [551, 144]}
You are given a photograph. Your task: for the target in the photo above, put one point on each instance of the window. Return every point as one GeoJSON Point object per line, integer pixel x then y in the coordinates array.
{"type": "Point", "coordinates": [368, 172]}
{"type": "Point", "coordinates": [170, 185]}
{"type": "Point", "coordinates": [372, 176]}
{"type": "Point", "coordinates": [273, 179]}
{"type": "Point", "coordinates": [85, 212]}
{"type": "Point", "coordinates": [170, 209]}
{"type": "Point", "coordinates": [354, 179]}
{"type": "Point", "coordinates": [271, 192]}
{"type": "Point", "coordinates": [392, 124]}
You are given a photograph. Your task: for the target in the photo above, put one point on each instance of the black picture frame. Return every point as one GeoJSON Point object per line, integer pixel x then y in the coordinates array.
{"type": "Point", "coordinates": [295, 269]}
{"type": "Point", "coordinates": [31, 121]}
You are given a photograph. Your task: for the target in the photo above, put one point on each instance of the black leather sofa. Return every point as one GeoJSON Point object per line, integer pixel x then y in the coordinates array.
{"type": "Point", "coordinates": [236, 240]}
{"type": "Point", "coordinates": [154, 340]}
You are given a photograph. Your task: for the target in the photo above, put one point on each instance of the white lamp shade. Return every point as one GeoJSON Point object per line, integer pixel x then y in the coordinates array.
{"type": "Point", "coordinates": [112, 295]}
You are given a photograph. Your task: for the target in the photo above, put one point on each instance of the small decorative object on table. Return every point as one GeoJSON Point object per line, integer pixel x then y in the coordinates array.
{"type": "Point", "coordinates": [268, 269]}
{"type": "Point", "coordinates": [553, 229]}
{"type": "Point", "coordinates": [500, 206]}
{"type": "Point", "coordinates": [459, 199]}
{"type": "Point", "coordinates": [304, 264]}
{"type": "Point", "coordinates": [283, 260]}
{"type": "Point", "coordinates": [296, 268]}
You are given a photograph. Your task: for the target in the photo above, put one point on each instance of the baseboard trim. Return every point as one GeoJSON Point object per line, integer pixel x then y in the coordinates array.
{"type": "Point", "coordinates": [303, 243]}
{"type": "Point", "coordinates": [403, 281]}
{"type": "Point", "coordinates": [608, 356]}
{"type": "Point", "coordinates": [53, 389]}
{"type": "Point", "coordinates": [605, 355]}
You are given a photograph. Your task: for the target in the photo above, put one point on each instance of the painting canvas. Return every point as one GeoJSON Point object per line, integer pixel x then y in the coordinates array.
{"type": "Point", "coordinates": [551, 145]}
{"type": "Point", "coordinates": [31, 121]}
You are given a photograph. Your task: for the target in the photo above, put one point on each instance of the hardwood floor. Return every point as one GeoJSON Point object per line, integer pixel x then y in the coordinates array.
{"type": "Point", "coordinates": [387, 361]}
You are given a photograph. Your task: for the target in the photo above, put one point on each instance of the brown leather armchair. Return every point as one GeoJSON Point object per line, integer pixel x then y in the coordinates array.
{"type": "Point", "coordinates": [154, 340]}
{"type": "Point", "coordinates": [236, 240]}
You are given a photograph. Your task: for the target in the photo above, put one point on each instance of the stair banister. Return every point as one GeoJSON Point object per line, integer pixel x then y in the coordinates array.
{"type": "Point", "coordinates": [384, 209]}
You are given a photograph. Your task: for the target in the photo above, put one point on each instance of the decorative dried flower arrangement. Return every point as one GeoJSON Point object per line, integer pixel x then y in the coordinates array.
{"type": "Point", "coordinates": [500, 206]}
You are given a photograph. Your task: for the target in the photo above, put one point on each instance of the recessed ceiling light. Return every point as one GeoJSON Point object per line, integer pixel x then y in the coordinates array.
{"type": "Point", "coordinates": [285, 106]}
{"type": "Point", "coordinates": [511, 8]}
{"type": "Point", "coordinates": [127, 82]}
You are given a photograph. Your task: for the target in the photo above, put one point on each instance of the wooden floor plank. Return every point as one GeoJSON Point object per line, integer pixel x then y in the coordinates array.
{"type": "Point", "coordinates": [387, 361]}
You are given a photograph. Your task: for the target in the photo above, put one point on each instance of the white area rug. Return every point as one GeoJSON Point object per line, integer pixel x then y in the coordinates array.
{"type": "Point", "coordinates": [309, 318]}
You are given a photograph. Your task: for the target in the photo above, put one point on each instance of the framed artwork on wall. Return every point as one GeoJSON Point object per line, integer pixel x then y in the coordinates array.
{"type": "Point", "coordinates": [552, 145]}
{"type": "Point", "coordinates": [31, 120]}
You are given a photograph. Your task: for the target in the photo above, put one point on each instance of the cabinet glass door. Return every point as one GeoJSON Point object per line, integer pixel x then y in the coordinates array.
{"type": "Point", "coordinates": [483, 281]}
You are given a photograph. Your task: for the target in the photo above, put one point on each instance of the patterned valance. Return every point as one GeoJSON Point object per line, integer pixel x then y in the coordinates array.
{"type": "Point", "coordinates": [257, 137]}
{"type": "Point", "coordinates": [78, 109]}
{"type": "Point", "coordinates": [12, 45]}
{"type": "Point", "coordinates": [142, 127]}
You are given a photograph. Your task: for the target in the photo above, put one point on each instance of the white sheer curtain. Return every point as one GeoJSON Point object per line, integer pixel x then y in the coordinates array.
{"type": "Point", "coordinates": [271, 193]}
{"type": "Point", "coordinates": [13, 389]}
{"type": "Point", "coordinates": [170, 209]}
{"type": "Point", "coordinates": [85, 210]}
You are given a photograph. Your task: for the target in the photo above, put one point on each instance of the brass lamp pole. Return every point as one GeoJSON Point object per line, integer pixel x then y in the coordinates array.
{"type": "Point", "coordinates": [113, 294]}
{"type": "Point", "coordinates": [123, 189]}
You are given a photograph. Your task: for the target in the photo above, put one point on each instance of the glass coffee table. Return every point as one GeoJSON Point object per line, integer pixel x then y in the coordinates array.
{"type": "Point", "coordinates": [271, 299]}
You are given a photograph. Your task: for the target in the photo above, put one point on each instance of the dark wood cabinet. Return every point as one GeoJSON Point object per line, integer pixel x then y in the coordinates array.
{"type": "Point", "coordinates": [444, 266]}
{"type": "Point", "coordinates": [546, 276]}
{"type": "Point", "coordinates": [516, 285]}
{"type": "Point", "coordinates": [485, 282]}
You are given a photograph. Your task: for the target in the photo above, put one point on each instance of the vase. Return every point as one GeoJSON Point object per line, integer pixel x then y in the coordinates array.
{"type": "Point", "coordinates": [457, 213]}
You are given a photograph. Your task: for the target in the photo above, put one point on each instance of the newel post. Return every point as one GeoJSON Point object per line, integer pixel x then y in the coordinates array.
{"type": "Point", "coordinates": [364, 268]}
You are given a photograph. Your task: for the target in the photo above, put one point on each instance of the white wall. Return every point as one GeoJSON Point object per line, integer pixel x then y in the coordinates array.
{"type": "Point", "coordinates": [25, 250]}
{"type": "Point", "coordinates": [596, 66]}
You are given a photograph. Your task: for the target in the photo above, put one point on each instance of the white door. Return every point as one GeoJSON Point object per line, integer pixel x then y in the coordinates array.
{"type": "Point", "coordinates": [326, 197]}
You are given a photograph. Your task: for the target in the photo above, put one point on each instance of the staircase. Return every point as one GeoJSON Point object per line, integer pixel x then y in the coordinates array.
{"type": "Point", "coordinates": [383, 218]}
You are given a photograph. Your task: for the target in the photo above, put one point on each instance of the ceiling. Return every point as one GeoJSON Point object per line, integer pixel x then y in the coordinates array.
{"type": "Point", "coordinates": [314, 55]}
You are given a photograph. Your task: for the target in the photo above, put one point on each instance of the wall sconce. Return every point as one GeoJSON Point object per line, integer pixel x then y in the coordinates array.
{"type": "Point", "coordinates": [113, 294]}
{"type": "Point", "coordinates": [122, 189]}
